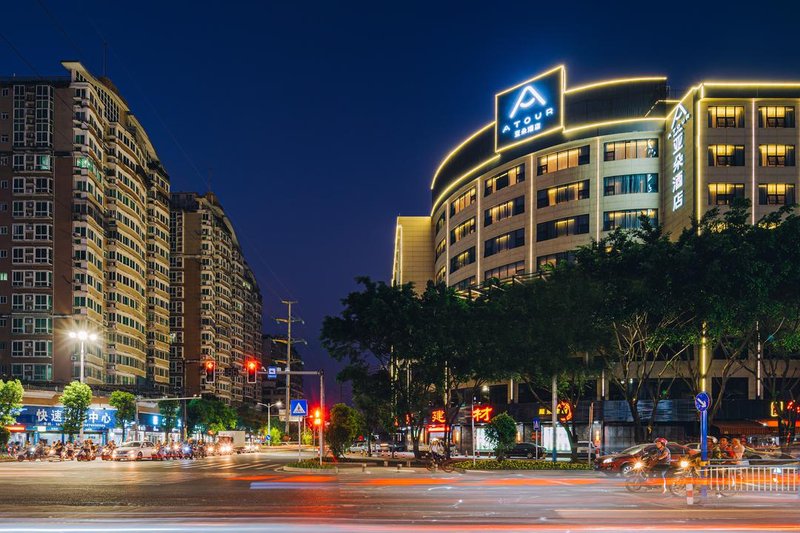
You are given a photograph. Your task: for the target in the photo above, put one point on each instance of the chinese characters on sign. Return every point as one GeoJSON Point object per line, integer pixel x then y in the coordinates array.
{"type": "Point", "coordinates": [53, 417]}
{"type": "Point", "coordinates": [482, 413]}
{"type": "Point", "coordinates": [529, 109]}
{"type": "Point", "coordinates": [437, 416]}
{"type": "Point", "coordinates": [677, 135]}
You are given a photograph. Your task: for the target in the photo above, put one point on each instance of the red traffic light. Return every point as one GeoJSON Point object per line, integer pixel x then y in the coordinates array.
{"type": "Point", "coordinates": [252, 369]}
{"type": "Point", "coordinates": [210, 367]}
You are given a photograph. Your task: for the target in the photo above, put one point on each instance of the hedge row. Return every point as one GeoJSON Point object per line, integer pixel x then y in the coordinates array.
{"type": "Point", "coordinates": [492, 464]}
{"type": "Point", "coordinates": [311, 463]}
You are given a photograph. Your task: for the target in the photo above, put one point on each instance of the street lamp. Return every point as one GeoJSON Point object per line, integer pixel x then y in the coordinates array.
{"type": "Point", "coordinates": [269, 416]}
{"type": "Point", "coordinates": [82, 335]}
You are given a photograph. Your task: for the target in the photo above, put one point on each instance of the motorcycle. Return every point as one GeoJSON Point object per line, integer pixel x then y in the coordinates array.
{"type": "Point", "coordinates": [106, 453]}
{"type": "Point", "coordinates": [32, 453]}
{"type": "Point", "coordinates": [188, 452]}
{"type": "Point", "coordinates": [86, 454]}
{"type": "Point", "coordinates": [688, 471]}
{"type": "Point", "coordinates": [643, 477]}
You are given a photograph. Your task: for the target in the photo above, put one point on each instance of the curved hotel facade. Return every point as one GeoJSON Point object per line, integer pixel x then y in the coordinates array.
{"type": "Point", "coordinates": [561, 165]}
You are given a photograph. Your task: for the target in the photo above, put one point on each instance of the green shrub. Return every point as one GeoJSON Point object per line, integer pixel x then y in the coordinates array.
{"type": "Point", "coordinates": [491, 464]}
{"type": "Point", "coordinates": [311, 463]}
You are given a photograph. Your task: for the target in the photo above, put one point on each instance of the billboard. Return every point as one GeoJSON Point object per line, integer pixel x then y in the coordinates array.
{"type": "Point", "coordinates": [531, 109]}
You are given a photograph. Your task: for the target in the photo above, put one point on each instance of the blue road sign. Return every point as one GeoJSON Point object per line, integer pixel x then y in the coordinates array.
{"type": "Point", "coordinates": [702, 401]}
{"type": "Point", "coordinates": [537, 424]}
{"type": "Point", "coordinates": [298, 408]}
{"type": "Point", "coordinates": [268, 437]}
{"type": "Point", "coordinates": [272, 372]}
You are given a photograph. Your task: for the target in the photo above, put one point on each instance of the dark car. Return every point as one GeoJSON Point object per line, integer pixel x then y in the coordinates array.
{"type": "Point", "coordinates": [622, 462]}
{"type": "Point", "coordinates": [527, 450]}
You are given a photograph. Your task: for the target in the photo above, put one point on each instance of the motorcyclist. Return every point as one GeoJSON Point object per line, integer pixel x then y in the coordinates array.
{"type": "Point", "coordinates": [661, 459]}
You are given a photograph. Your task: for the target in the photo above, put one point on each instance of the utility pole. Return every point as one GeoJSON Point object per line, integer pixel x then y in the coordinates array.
{"type": "Point", "coordinates": [289, 342]}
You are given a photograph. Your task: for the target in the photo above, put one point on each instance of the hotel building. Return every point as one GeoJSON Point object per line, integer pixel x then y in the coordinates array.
{"type": "Point", "coordinates": [562, 164]}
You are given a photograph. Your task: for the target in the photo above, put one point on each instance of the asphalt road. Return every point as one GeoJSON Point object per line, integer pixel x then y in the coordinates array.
{"type": "Point", "coordinates": [250, 493]}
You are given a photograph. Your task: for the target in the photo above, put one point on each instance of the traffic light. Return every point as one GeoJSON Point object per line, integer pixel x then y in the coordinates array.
{"type": "Point", "coordinates": [317, 417]}
{"type": "Point", "coordinates": [210, 368]}
{"type": "Point", "coordinates": [252, 368]}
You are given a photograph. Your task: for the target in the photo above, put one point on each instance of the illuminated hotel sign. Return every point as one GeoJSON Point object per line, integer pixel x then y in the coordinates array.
{"type": "Point", "coordinates": [677, 135]}
{"type": "Point", "coordinates": [530, 109]}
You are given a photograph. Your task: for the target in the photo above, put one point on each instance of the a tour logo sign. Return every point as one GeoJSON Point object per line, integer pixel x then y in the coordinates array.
{"type": "Point", "coordinates": [677, 135]}
{"type": "Point", "coordinates": [529, 109]}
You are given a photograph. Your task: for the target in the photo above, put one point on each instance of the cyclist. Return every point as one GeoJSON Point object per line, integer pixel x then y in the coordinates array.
{"type": "Point", "coordinates": [661, 459]}
{"type": "Point", "coordinates": [437, 450]}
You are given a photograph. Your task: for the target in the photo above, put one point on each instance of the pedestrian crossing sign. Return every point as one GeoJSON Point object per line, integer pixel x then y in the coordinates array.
{"type": "Point", "coordinates": [298, 407]}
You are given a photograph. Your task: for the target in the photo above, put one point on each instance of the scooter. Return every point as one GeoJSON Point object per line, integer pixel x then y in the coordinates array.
{"type": "Point", "coordinates": [86, 454]}
{"type": "Point", "coordinates": [105, 453]}
{"type": "Point", "coordinates": [643, 477]}
{"type": "Point", "coordinates": [32, 453]}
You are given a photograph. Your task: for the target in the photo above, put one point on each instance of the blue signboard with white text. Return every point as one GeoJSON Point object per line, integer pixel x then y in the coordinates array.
{"type": "Point", "coordinates": [530, 109]}
{"type": "Point", "coordinates": [51, 418]}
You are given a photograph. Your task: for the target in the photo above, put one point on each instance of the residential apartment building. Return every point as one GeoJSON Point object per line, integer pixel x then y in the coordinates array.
{"type": "Point", "coordinates": [83, 236]}
{"type": "Point", "coordinates": [215, 302]}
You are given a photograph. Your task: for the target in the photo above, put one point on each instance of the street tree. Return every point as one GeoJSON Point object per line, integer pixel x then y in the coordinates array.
{"type": "Point", "coordinates": [210, 415]}
{"type": "Point", "coordinates": [455, 351]}
{"type": "Point", "coordinates": [169, 411]}
{"type": "Point", "coordinates": [501, 431]}
{"type": "Point", "coordinates": [76, 399]}
{"type": "Point", "coordinates": [125, 403]}
{"type": "Point", "coordinates": [636, 301]}
{"type": "Point", "coordinates": [552, 330]}
{"type": "Point", "coordinates": [371, 391]}
{"type": "Point", "coordinates": [344, 426]}
{"type": "Point", "coordinates": [378, 330]}
{"type": "Point", "coordinates": [11, 393]}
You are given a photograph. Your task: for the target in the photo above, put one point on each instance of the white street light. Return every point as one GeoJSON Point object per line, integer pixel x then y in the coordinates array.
{"type": "Point", "coordinates": [82, 335]}
{"type": "Point", "coordinates": [269, 416]}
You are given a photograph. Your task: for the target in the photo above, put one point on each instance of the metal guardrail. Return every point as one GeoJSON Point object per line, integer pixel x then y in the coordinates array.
{"type": "Point", "coordinates": [753, 478]}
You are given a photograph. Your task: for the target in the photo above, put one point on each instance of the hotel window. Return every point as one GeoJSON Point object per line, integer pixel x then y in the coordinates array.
{"type": "Point", "coordinates": [630, 184]}
{"type": "Point", "coordinates": [628, 218]}
{"type": "Point", "coordinates": [440, 221]}
{"type": "Point", "coordinates": [724, 193]}
{"type": "Point", "coordinates": [553, 260]}
{"type": "Point", "coordinates": [776, 194]}
{"type": "Point", "coordinates": [726, 116]}
{"type": "Point", "coordinates": [725, 155]}
{"type": "Point", "coordinates": [776, 117]}
{"type": "Point", "coordinates": [440, 274]}
{"type": "Point", "coordinates": [501, 243]}
{"type": "Point", "coordinates": [462, 230]}
{"type": "Point", "coordinates": [578, 190]}
{"type": "Point", "coordinates": [462, 202]}
{"type": "Point", "coordinates": [562, 227]}
{"type": "Point", "coordinates": [504, 210]}
{"type": "Point", "coordinates": [638, 149]}
{"type": "Point", "coordinates": [505, 271]}
{"type": "Point", "coordinates": [467, 257]}
{"type": "Point", "coordinates": [562, 160]}
{"type": "Point", "coordinates": [776, 155]}
{"type": "Point", "coordinates": [441, 247]}
{"type": "Point", "coordinates": [464, 284]}
{"type": "Point", "coordinates": [506, 179]}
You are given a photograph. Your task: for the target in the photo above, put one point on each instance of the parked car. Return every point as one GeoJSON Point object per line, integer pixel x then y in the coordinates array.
{"type": "Point", "coordinates": [527, 450]}
{"type": "Point", "coordinates": [621, 463]}
{"type": "Point", "coordinates": [135, 451]}
{"type": "Point", "coordinates": [361, 447]}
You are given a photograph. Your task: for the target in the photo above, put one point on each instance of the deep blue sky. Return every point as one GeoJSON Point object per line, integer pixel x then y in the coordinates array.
{"type": "Point", "coordinates": [320, 122]}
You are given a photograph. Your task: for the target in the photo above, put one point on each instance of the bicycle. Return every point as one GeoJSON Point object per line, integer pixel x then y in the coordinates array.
{"type": "Point", "coordinates": [440, 462]}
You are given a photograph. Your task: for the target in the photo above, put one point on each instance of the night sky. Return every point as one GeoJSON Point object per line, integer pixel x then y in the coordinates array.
{"type": "Point", "coordinates": [319, 123]}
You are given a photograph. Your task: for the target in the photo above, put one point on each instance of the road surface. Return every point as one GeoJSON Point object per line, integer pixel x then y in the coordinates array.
{"type": "Point", "coordinates": [251, 493]}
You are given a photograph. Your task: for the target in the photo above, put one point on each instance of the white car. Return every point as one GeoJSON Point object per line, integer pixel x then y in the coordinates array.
{"type": "Point", "coordinates": [134, 451]}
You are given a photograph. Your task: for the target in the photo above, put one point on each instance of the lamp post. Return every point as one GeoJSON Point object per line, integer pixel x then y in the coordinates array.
{"type": "Point", "coordinates": [82, 336]}
{"type": "Point", "coordinates": [269, 416]}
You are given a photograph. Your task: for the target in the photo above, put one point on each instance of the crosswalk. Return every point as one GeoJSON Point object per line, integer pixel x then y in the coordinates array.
{"type": "Point", "coordinates": [221, 464]}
